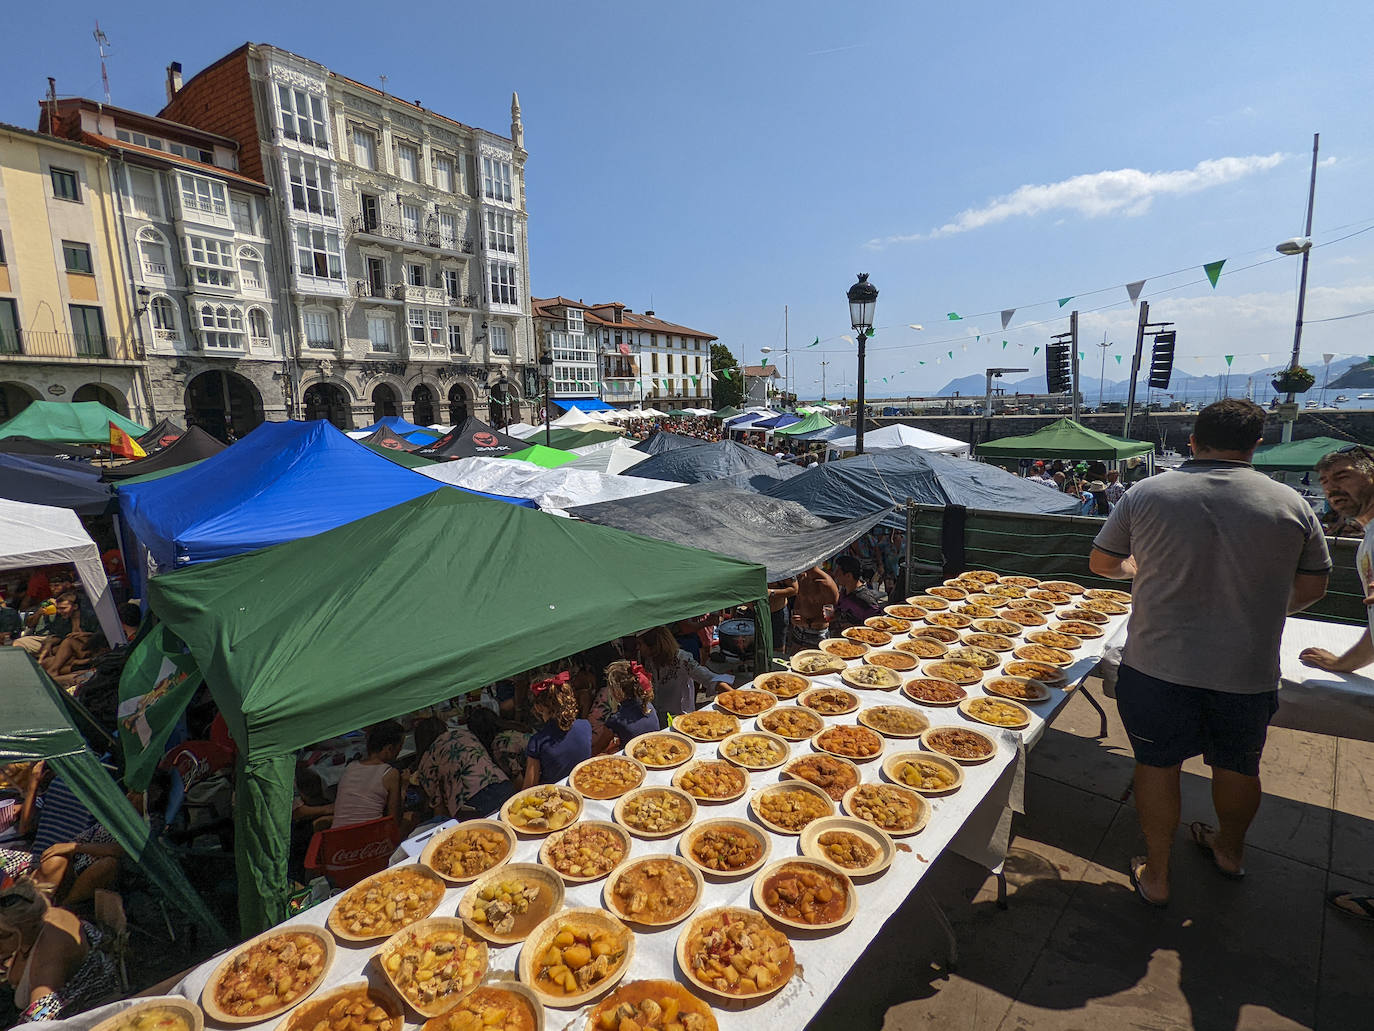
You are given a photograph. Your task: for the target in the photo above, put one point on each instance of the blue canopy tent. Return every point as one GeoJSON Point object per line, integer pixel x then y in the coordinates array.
{"type": "Point", "coordinates": [786, 419]}
{"type": "Point", "coordinates": [582, 404]}
{"type": "Point", "coordinates": [284, 481]}
{"type": "Point", "coordinates": [55, 482]}
{"type": "Point", "coordinates": [414, 434]}
{"type": "Point", "coordinates": [747, 419]}
{"type": "Point", "coordinates": [824, 433]}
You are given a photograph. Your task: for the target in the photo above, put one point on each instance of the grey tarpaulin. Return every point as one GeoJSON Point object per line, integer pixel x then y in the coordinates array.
{"type": "Point", "coordinates": [735, 522]}
{"type": "Point", "coordinates": [870, 482]}
{"type": "Point", "coordinates": [665, 440]}
{"type": "Point", "coordinates": [710, 462]}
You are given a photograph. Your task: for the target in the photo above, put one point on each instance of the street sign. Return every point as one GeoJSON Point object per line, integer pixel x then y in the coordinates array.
{"type": "Point", "coordinates": [1288, 412]}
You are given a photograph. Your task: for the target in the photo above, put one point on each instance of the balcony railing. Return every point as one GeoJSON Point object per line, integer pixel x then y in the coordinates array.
{"type": "Point", "coordinates": [364, 288]}
{"type": "Point", "coordinates": [462, 301]}
{"type": "Point", "coordinates": [408, 232]}
{"type": "Point", "coordinates": [155, 268]}
{"type": "Point", "coordinates": [147, 205]}
{"type": "Point", "coordinates": [39, 344]}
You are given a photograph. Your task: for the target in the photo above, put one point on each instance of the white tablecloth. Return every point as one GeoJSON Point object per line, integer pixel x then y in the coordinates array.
{"type": "Point", "coordinates": [979, 813]}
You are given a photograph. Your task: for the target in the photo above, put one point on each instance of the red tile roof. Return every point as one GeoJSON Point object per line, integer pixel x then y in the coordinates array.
{"type": "Point", "coordinates": [761, 370]}
{"type": "Point", "coordinates": [106, 142]}
{"type": "Point", "coordinates": [603, 315]}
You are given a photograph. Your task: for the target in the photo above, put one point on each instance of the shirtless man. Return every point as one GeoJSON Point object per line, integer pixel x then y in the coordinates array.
{"type": "Point", "coordinates": [815, 592]}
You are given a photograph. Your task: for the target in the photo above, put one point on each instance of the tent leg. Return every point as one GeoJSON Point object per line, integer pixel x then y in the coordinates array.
{"type": "Point", "coordinates": [763, 638]}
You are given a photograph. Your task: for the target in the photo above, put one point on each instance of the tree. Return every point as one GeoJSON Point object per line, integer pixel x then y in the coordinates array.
{"type": "Point", "coordinates": [725, 390]}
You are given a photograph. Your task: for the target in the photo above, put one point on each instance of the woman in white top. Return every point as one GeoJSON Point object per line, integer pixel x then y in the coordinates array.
{"type": "Point", "coordinates": [675, 673]}
{"type": "Point", "coordinates": [371, 787]}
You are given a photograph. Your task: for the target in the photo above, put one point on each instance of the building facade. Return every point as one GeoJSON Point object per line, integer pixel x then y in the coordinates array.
{"type": "Point", "coordinates": [207, 275]}
{"type": "Point", "coordinates": [406, 268]}
{"type": "Point", "coordinates": [65, 294]}
{"type": "Point", "coordinates": [609, 353]}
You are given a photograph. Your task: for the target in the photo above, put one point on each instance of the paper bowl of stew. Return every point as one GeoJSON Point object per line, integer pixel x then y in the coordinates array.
{"type": "Point", "coordinates": [805, 894]}
{"type": "Point", "coordinates": [725, 848]}
{"type": "Point", "coordinates": [171, 1013]}
{"type": "Point", "coordinates": [333, 1010]}
{"type": "Point", "coordinates": [655, 891]}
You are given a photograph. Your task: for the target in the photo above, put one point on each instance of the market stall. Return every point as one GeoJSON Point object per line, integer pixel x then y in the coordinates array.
{"type": "Point", "coordinates": [553, 490]}
{"type": "Point", "coordinates": [713, 461]}
{"type": "Point", "coordinates": [61, 484]}
{"type": "Point", "coordinates": [1066, 439]}
{"type": "Point", "coordinates": [192, 446]}
{"type": "Point", "coordinates": [71, 422]}
{"type": "Point", "coordinates": [902, 435]}
{"type": "Point", "coordinates": [472, 438]}
{"type": "Point", "coordinates": [1296, 455]}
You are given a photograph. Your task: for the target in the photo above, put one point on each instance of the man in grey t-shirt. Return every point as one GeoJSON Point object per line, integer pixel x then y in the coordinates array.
{"type": "Point", "coordinates": [1220, 555]}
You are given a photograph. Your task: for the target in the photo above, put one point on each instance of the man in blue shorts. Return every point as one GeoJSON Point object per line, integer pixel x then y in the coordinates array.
{"type": "Point", "coordinates": [1220, 555]}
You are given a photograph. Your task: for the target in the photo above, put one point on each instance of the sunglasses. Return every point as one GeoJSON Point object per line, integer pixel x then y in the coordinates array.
{"type": "Point", "coordinates": [1351, 449]}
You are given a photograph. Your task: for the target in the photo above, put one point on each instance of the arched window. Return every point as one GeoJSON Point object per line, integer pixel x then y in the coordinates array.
{"type": "Point", "coordinates": [152, 251]}
{"type": "Point", "coordinates": [257, 328]}
{"type": "Point", "coordinates": [383, 402]}
{"type": "Point", "coordinates": [163, 314]}
{"type": "Point", "coordinates": [250, 269]}
{"type": "Point", "coordinates": [423, 400]}
{"type": "Point", "coordinates": [221, 327]}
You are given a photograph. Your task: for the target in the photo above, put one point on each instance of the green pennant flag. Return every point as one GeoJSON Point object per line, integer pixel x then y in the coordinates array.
{"type": "Point", "coordinates": [978, 339]}
{"type": "Point", "coordinates": [1228, 358]}
{"type": "Point", "coordinates": [1082, 356]}
{"type": "Point", "coordinates": [1213, 270]}
{"type": "Point", "coordinates": [870, 332]}
{"type": "Point", "coordinates": [814, 342]}
{"type": "Point", "coordinates": [695, 380]}
{"type": "Point", "coordinates": [1064, 300]}
{"type": "Point", "coordinates": [922, 363]}
{"type": "Point", "coordinates": [1004, 345]}
{"type": "Point", "coordinates": [954, 316]}
{"type": "Point", "coordinates": [157, 684]}
{"type": "Point", "coordinates": [951, 354]}
{"type": "Point", "coordinates": [884, 379]}
{"type": "Point", "coordinates": [1118, 358]}
{"type": "Point", "coordinates": [1035, 352]}
{"type": "Point", "coordinates": [725, 373]}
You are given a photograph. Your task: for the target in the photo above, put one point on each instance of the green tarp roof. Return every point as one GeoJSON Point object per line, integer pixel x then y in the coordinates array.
{"type": "Point", "coordinates": [570, 437]}
{"type": "Point", "coordinates": [37, 725]}
{"type": "Point", "coordinates": [1065, 439]}
{"type": "Point", "coordinates": [1296, 455]}
{"type": "Point", "coordinates": [404, 458]}
{"type": "Point", "coordinates": [813, 421]}
{"type": "Point", "coordinates": [79, 422]}
{"type": "Point", "coordinates": [544, 457]}
{"type": "Point", "coordinates": [728, 412]}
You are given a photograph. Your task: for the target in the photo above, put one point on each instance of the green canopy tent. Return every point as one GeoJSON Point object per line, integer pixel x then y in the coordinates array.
{"type": "Point", "coordinates": [728, 412]}
{"type": "Point", "coordinates": [79, 422]}
{"type": "Point", "coordinates": [813, 421]}
{"type": "Point", "coordinates": [149, 477]}
{"type": "Point", "coordinates": [38, 724]}
{"type": "Point", "coordinates": [1296, 455]}
{"type": "Point", "coordinates": [404, 458]}
{"type": "Point", "coordinates": [289, 642]}
{"type": "Point", "coordinates": [678, 413]}
{"type": "Point", "coordinates": [1066, 439]}
{"type": "Point", "coordinates": [571, 436]}
{"type": "Point", "coordinates": [544, 457]}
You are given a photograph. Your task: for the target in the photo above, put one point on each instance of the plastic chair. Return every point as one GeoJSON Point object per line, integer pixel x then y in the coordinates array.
{"type": "Point", "coordinates": [345, 855]}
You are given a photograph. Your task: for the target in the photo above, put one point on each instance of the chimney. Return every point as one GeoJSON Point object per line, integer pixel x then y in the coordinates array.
{"type": "Point", "coordinates": [650, 313]}
{"type": "Point", "coordinates": [173, 80]}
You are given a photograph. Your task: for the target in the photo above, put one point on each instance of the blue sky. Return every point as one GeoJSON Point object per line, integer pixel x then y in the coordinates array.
{"type": "Point", "coordinates": [717, 161]}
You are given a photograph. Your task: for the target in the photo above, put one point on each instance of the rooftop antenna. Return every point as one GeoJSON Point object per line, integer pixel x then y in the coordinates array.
{"type": "Point", "coordinates": [103, 41]}
{"type": "Point", "coordinates": [383, 81]}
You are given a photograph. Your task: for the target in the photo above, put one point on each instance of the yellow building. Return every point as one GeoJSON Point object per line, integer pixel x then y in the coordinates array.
{"type": "Point", "coordinates": [65, 304]}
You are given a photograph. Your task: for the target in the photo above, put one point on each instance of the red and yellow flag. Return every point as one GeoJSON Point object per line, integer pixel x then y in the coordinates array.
{"type": "Point", "coordinates": [124, 446]}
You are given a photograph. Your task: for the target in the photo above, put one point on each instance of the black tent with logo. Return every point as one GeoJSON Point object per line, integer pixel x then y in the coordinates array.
{"type": "Point", "coordinates": [192, 446]}
{"type": "Point", "coordinates": [384, 436]}
{"type": "Point", "coordinates": [45, 448]}
{"type": "Point", "coordinates": [471, 438]}
{"type": "Point", "coordinates": [164, 434]}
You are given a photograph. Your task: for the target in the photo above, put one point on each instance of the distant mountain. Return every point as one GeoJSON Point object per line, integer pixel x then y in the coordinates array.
{"type": "Point", "coordinates": [1345, 374]}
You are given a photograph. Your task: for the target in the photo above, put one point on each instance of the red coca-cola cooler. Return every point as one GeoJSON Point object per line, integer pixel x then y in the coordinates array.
{"type": "Point", "coordinates": [345, 855]}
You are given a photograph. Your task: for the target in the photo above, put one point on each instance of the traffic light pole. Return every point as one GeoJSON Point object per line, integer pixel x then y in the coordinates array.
{"type": "Point", "coordinates": [1135, 366]}
{"type": "Point", "coordinates": [1073, 359]}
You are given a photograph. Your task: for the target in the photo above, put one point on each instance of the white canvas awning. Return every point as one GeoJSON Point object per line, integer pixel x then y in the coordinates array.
{"type": "Point", "coordinates": [553, 490]}
{"type": "Point", "coordinates": [37, 535]}
{"type": "Point", "coordinates": [901, 435]}
{"type": "Point", "coordinates": [610, 456]}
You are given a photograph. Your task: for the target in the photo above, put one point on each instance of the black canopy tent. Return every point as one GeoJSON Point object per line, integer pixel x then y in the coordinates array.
{"type": "Point", "coordinates": [714, 461]}
{"type": "Point", "coordinates": [192, 446]}
{"type": "Point", "coordinates": [384, 436]}
{"type": "Point", "coordinates": [665, 440]}
{"type": "Point", "coordinates": [164, 434]}
{"type": "Point", "coordinates": [61, 484]}
{"type": "Point", "coordinates": [31, 448]}
{"type": "Point", "coordinates": [471, 438]}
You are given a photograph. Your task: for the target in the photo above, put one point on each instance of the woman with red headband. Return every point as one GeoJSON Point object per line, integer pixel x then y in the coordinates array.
{"type": "Point", "coordinates": [630, 693]}
{"type": "Point", "coordinates": [564, 740]}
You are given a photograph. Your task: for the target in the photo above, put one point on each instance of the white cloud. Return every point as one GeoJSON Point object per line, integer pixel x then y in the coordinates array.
{"type": "Point", "coordinates": [1122, 191]}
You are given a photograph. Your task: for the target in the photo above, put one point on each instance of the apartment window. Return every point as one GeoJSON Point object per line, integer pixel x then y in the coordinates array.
{"type": "Point", "coordinates": [502, 278]}
{"type": "Point", "coordinates": [163, 316]}
{"type": "Point", "coordinates": [64, 184]}
{"type": "Point", "coordinates": [379, 333]}
{"type": "Point", "coordinates": [415, 274]}
{"type": "Point", "coordinates": [250, 269]}
{"type": "Point", "coordinates": [9, 327]}
{"type": "Point", "coordinates": [443, 173]}
{"type": "Point", "coordinates": [455, 338]}
{"type": "Point", "coordinates": [319, 330]}
{"type": "Point", "coordinates": [302, 116]}
{"type": "Point", "coordinates": [88, 331]}
{"type": "Point", "coordinates": [500, 232]}
{"type": "Point", "coordinates": [203, 195]}
{"type": "Point", "coordinates": [257, 327]}
{"type": "Point", "coordinates": [698, 365]}
{"type": "Point", "coordinates": [407, 162]}
{"type": "Point", "coordinates": [77, 257]}
{"type": "Point", "coordinates": [144, 193]}
{"type": "Point", "coordinates": [212, 261]}
{"type": "Point", "coordinates": [437, 320]}
{"type": "Point", "coordinates": [221, 326]}
{"type": "Point", "coordinates": [576, 323]}
{"type": "Point", "coordinates": [452, 283]}
{"type": "Point", "coordinates": [364, 148]}
{"type": "Point", "coordinates": [500, 340]}
{"type": "Point", "coordinates": [415, 325]}
{"type": "Point", "coordinates": [317, 253]}
{"type": "Point", "coordinates": [152, 249]}
{"type": "Point", "coordinates": [312, 186]}
{"type": "Point", "coordinates": [241, 212]}
{"type": "Point", "coordinates": [410, 222]}
{"type": "Point", "coordinates": [448, 231]}
{"type": "Point", "coordinates": [496, 179]}
{"type": "Point", "coordinates": [369, 204]}
{"type": "Point", "coordinates": [376, 276]}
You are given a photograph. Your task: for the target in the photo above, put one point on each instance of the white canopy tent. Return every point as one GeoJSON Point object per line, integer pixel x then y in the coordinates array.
{"type": "Point", "coordinates": [573, 419]}
{"type": "Point", "coordinates": [610, 456]}
{"type": "Point", "coordinates": [901, 435]}
{"type": "Point", "coordinates": [37, 535]}
{"type": "Point", "coordinates": [553, 490]}
{"type": "Point", "coordinates": [521, 430]}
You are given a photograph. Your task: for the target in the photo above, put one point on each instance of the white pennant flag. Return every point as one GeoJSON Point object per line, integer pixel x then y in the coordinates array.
{"type": "Point", "coordinates": [846, 338]}
{"type": "Point", "coordinates": [1265, 357]}
{"type": "Point", "coordinates": [1134, 289]}
{"type": "Point", "coordinates": [1007, 313]}
{"type": "Point", "coordinates": [1326, 358]}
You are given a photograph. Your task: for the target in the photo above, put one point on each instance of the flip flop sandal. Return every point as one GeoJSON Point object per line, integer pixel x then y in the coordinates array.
{"type": "Point", "coordinates": [1365, 904]}
{"type": "Point", "coordinates": [1200, 832]}
{"type": "Point", "coordinates": [1137, 865]}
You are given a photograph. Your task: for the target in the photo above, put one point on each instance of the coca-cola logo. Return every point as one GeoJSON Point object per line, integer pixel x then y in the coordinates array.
{"type": "Point", "coordinates": [350, 856]}
{"type": "Point", "coordinates": [484, 439]}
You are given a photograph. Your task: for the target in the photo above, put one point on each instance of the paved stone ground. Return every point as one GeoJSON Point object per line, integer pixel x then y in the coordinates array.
{"type": "Point", "coordinates": [1076, 950]}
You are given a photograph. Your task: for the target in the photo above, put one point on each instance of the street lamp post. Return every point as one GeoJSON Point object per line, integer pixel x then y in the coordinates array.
{"type": "Point", "coordinates": [1303, 246]}
{"type": "Point", "coordinates": [546, 367]}
{"type": "Point", "coordinates": [863, 299]}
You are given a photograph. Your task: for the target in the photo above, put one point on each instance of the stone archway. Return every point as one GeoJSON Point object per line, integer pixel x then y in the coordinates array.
{"type": "Point", "coordinates": [384, 402]}
{"type": "Point", "coordinates": [328, 401]}
{"type": "Point", "coordinates": [423, 400]}
{"type": "Point", "coordinates": [223, 404]}
{"type": "Point", "coordinates": [459, 404]}
{"type": "Point", "coordinates": [106, 395]}
{"type": "Point", "coordinates": [14, 398]}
